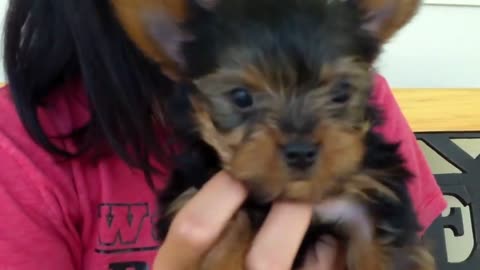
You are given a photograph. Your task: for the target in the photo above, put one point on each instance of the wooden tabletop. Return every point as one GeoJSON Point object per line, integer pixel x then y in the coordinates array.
{"type": "Point", "coordinates": [439, 110]}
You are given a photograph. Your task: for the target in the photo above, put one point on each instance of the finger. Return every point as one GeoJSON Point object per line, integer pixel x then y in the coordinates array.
{"type": "Point", "coordinates": [200, 222]}
{"type": "Point", "coordinates": [323, 256]}
{"type": "Point", "coordinates": [277, 242]}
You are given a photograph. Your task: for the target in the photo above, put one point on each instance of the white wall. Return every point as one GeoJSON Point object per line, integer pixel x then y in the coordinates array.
{"type": "Point", "coordinates": [439, 48]}
{"type": "Point", "coordinates": [3, 9]}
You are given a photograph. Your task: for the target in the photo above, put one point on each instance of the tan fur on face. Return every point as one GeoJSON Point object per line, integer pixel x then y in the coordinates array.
{"type": "Point", "coordinates": [258, 163]}
{"type": "Point", "coordinates": [224, 144]}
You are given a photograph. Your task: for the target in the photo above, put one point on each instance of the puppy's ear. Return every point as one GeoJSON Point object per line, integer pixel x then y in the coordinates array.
{"type": "Point", "coordinates": [383, 18]}
{"type": "Point", "coordinates": [154, 27]}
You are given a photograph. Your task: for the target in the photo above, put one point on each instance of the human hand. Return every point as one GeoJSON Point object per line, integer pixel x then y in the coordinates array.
{"type": "Point", "coordinates": [201, 221]}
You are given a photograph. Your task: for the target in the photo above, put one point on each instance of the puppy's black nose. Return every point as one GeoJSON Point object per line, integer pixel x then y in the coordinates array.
{"type": "Point", "coordinates": [300, 155]}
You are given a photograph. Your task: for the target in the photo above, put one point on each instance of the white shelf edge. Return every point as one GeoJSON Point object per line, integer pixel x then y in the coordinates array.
{"type": "Point", "coordinates": [453, 2]}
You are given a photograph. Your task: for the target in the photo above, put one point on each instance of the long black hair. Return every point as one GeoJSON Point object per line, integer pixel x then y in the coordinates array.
{"type": "Point", "coordinates": [50, 42]}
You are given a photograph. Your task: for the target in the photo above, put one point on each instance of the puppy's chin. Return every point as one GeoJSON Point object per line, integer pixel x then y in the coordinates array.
{"type": "Point", "coordinates": [260, 165]}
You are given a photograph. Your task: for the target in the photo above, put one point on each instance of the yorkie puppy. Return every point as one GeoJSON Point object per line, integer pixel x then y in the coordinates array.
{"type": "Point", "coordinates": [277, 93]}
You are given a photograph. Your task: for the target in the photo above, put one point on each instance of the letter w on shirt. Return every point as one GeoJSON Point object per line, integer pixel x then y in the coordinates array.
{"type": "Point", "coordinates": [121, 224]}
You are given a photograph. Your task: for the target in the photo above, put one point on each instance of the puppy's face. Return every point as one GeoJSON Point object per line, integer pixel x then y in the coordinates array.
{"type": "Point", "coordinates": [273, 127]}
{"type": "Point", "coordinates": [284, 99]}
{"type": "Point", "coordinates": [281, 88]}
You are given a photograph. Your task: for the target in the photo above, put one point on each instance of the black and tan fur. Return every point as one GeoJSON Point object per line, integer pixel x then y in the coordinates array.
{"type": "Point", "coordinates": [307, 66]}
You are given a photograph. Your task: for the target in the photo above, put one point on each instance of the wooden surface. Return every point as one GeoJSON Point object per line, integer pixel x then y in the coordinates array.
{"type": "Point", "coordinates": [438, 110]}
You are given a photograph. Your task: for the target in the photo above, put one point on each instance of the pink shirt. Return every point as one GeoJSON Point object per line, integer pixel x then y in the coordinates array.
{"type": "Point", "coordinates": [74, 214]}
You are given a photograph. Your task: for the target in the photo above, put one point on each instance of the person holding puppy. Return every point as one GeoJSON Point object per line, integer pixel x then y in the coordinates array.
{"type": "Point", "coordinates": [84, 139]}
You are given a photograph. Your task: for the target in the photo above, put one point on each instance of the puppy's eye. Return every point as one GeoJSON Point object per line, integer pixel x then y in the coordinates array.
{"type": "Point", "coordinates": [241, 97]}
{"type": "Point", "coordinates": [342, 92]}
